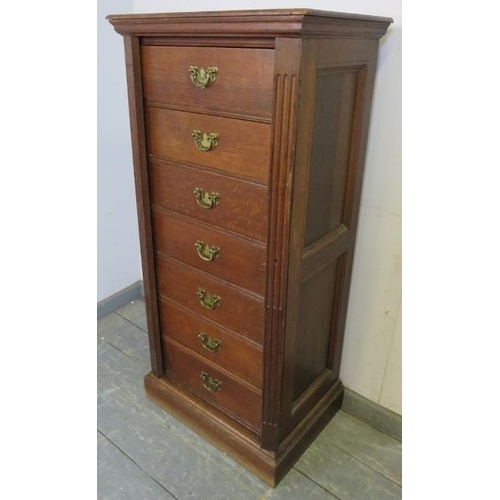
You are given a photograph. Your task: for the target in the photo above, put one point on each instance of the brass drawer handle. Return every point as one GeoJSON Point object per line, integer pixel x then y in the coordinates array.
{"type": "Point", "coordinates": [201, 77]}
{"type": "Point", "coordinates": [205, 252]}
{"type": "Point", "coordinates": [206, 200]}
{"type": "Point", "coordinates": [211, 384]}
{"type": "Point", "coordinates": [205, 142]}
{"type": "Point", "coordinates": [210, 344]}
{"type": "Point", "coordinates": [206, 300]}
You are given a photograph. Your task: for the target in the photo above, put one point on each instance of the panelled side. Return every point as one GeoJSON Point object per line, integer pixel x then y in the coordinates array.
{"type": "Point", "coordinates": [333, 122]}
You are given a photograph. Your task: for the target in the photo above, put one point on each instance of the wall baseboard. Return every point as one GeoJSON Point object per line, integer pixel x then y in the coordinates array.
{"type": "Point", "coordinates": [372, 413]}
{"type": "Point", "coordinates": [119, 299]}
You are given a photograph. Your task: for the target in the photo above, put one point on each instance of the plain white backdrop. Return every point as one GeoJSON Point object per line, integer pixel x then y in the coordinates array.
{"type": "Point", "coordinates": [451, 269]}
{"type": "Point", "coordinates": [118, 258]}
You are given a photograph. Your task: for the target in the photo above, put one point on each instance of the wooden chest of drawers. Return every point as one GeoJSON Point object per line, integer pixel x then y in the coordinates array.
{"type": "Point", "coordinates": [249, 132]}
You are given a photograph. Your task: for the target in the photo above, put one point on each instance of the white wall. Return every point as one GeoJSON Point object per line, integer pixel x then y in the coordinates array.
{"type": "Point", "coordinates": [118, 258]}
{"type": "Point", "coordinates": [371, 363]}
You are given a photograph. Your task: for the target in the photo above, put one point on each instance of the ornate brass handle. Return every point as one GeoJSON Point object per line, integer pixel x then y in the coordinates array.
{"type": "Point", "coordinates": [211, 384]}
{"type": "Point", "coordinates": [210, 344]}
{"type": "Point", "coordinates": [206, 300]}
{"type": "Point", "coordinates": [205, 142]}
{"type": "Point", "coordinates": [205, 252]}
{"type": "Point", "coordinates": [203, 78]}
{"type": "Point", "coordinates": [206, 200]}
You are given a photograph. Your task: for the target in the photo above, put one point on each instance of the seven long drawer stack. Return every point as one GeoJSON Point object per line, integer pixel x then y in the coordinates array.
{"type": "Point", "coordinates": [209, 143]}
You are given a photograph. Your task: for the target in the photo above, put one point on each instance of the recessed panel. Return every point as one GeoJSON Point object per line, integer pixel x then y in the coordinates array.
{"type": "Point", "coordinates": [313, 336]}
{"type": "Point", "coordinates": [329, 162]}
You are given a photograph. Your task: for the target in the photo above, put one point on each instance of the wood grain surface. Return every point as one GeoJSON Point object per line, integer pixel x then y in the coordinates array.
{"type": "Point", "coordinates": [236, 354]}
{"type": "Point", "coordinates": [243, 84]}
{"type": "Point", "coordinates": [239, 399]}
{"type": "Point", "coordinates": [243, 148]}
{"type": "Point", "coordinates": [239, 261]}
{"type": "Point", "coordinates": [238, 311]}
{"type": "Point", "coordinates": [242, 207]}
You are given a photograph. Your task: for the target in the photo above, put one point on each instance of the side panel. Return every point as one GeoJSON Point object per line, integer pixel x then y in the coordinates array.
{"type": "Point", "coordinates": [326, 227]}
{"type": "Point", "coordinates": [336, 89]}
{"type": "Point", "coordinates": [329, 159]}
{"type": "Point", "coordinates": [313, 333]}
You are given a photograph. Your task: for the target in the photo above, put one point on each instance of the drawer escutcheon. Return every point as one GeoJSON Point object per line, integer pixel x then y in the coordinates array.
{"type": "Point", "coordinates": [211, 384]}
{"type": "Point", "coordinates": [205, 252]}
{"type": "Point", "coordinates": [210, 344]}
{"type": "Point", "coordinates": [205, 199]}
{"type": "Point", "coordinates": [208, 301]}
{"type": "Point", "coordinates": [205, 142]}
{"type": "Point", "coordinates": [201, 77]}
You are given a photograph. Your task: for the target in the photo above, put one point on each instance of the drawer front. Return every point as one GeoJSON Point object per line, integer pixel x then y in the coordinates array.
{"type": "Point", "coordinates": [242, 147]}
{"type": "Point", "coordinates": [232, 258]}
{"type": "Point", "coordinates": [237, 311]}
{"type": "Point", "coordinates": [233, 353]}
{"type": "Point", "coordinates": [243, 82]}
{"type": "Point", "coordinates": [235, 397]}
{"type": "Point", "coordinates": [240, 206]}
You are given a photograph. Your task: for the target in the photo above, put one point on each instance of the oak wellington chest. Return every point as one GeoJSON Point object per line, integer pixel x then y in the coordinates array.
{"type": "Point", "coordinates": [249, 131]}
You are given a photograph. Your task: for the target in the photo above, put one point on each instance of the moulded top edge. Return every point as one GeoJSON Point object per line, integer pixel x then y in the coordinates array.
{"type": "Point", "coordinates": [246, 13]}
{"type": "Point", "coordinates": [295, 22]}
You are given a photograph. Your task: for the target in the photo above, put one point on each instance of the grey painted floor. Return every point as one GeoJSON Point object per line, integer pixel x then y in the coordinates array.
{"type": "Point", "coordinates": [143, 453]}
